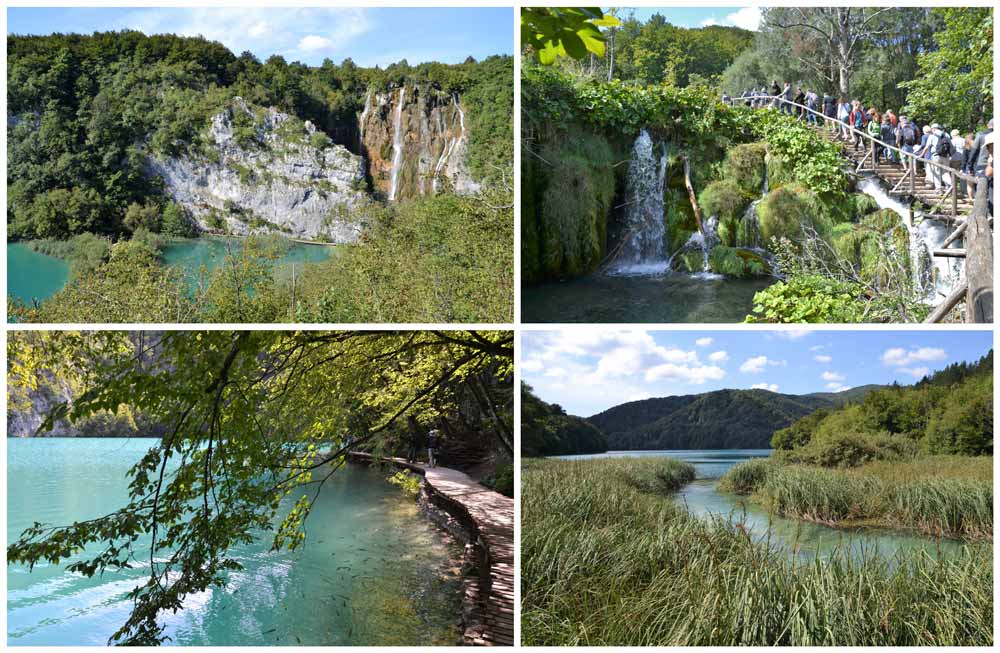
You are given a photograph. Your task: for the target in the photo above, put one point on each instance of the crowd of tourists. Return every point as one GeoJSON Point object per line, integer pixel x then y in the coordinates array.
{"type": "Point", "coordinates": [971, 154]}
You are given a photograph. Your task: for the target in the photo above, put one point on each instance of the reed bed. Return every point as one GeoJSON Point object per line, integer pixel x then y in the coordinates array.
{"type": "Point", "coordinates": [607, 563]}
{"type": "Point", "coordinates": [909, 497]}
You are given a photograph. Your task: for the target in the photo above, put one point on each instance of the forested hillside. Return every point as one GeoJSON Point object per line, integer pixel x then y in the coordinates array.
{"type": "Point", "coordinates": [948, 412]}
{"type": "Point", "coordinates": [723, 419]}
{"type": "Point", "coordinates": [546, 429]}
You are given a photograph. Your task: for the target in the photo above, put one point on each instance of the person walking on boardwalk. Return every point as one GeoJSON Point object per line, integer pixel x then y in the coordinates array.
{"type": "Point", "coordinates": [957, 158]}
{"type": "Point", "coordinates": [977, 160]}
{"type": "Point", "coordinates": [844, 115]}
{"type": "Point", "coordinates": [941, 155]}
{"type": "Point", "coordinates": [433, 441]}
{"type": "Point", "coordinates": [414, 448]}
{"type": "Point", "coordinates": [830, 111]}
{"type": "Point", "coordinates": [812, 102]}
{"type": "Point", "coordinates": [887, 134]}
{"type": "Point", "coordinates": [874, 130]}
{"type": "Point", "coordinates": [786, 96]}
{"type": "Point", "coordinates": [800, 98]}
{"type": "Point", "coordinates": [775, 92]}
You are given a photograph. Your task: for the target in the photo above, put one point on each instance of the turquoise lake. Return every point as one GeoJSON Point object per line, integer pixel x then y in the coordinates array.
{"type": "Point", "coordinates": [803, 539]}
{"type": "Point", "coordinates": [373, 571]}
{"type": "Point", "coordinates": [31, 275]}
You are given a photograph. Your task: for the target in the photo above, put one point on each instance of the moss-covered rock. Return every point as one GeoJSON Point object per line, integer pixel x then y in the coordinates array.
{"type": "Point", "coordinates": [693, 260]}
{"type": "Point", "coordinates": [726, 200]}
{"type": "Point", "coordinates": [572, 221]}
{"type": "Point", "coordinates": [863, 204]}
{"type": "Point", "coordinates": [737, 262]}
{"type": "Point", "coordinates": [779, 171]}
{"type": "Point", "coordinates": [877, 247]}
{"type": "Point", "coordinates": [745, 165]}
{"type": "Point", "coordinates": [787, 211]}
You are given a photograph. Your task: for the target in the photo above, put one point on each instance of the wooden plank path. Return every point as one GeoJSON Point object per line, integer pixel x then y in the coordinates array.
{"type": "Point", "coordinates": [490, 515]}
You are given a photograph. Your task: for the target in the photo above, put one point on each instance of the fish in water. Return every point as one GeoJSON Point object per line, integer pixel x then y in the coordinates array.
{"type": "Point", "coordinates": [268, 632]}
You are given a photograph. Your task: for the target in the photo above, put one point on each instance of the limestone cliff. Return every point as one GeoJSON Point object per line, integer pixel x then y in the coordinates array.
{"type": "Point", "coordinates": [415, 139]}
{"type": "Point", "coordinates": [262, 170]}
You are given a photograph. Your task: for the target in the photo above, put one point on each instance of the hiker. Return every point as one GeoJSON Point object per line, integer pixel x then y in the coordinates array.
{"type": "Point", "coordinates": [941, 155]}
{"type": "Point", "coordinates": [874, 129]}
{"type": "Point", "coordinates": [843, 115]}
{"type": "Point", "coordinates": [906, 138]}
{"type": "Point", "coordinates": [970, 140]}
{"type": "Point", "coordinates": [956, 160]}
{"type": "Point", "coordinates": [414, 448]}
{"type": "Point", "coordinates": [726, 99]}
{"type": "Point", "coordinates": [800, 98]}
{"type": "Point", "coordinates": [432, 445]}
{"type": "Point", "coordinates": [858, 120]}
{"type": "Point", "coordinates": [775, 92]}
{"type": "Point", "coordinates": [786, 96]}
{"type": "Point", "coordinates": [893, 120]}
{"type": "Point", "coordinates": [830, 111]}
{"type": "Point", "coordinates": [979, 156]}
{"type": "Point", "coordinates": [924, 152]}
{"type": "Point", "coordinates": [887, 134]}
{"type": "Point", "coordinates": [988, 170]}
{"type": "Point", "coordinates": [812, 102]}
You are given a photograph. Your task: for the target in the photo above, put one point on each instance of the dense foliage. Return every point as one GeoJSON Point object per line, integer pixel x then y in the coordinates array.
{"type": "Point", "coordinates": [87, 110]}
{"type": "Point", "coordinates": [546, 429]}
{"type": "Point", "coordinates": [606, 561]}
{"type": "Point", "coordinates": [722, 419]}
{"type": "Point", "coordinates": [250, 418]}
{"type": "Point", "coordinates": [947, 414]}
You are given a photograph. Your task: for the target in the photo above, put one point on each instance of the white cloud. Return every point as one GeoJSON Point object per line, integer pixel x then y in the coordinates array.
{"type": "Point", "coordinates": [900, 357]}
{"type": "Point", "coordinates": [823, 359]}
{"type": "Point", "coordinates": [833, 376]}
{"type": "Point", "coordinates": [639, 396]}
{"type": "Point", "coordinates": [773, 387]}
{"type": "Point", "coordinates": [708, 22]}
{"type": "Point", "coordinates": [757, 364]}
{"type": "Point", "coordinates": [258, 30]}
{"type": "Point", "coordinates": [915, 372]}
{"type": "Point", "coordinates": [315, 43]}
{"type": "Point", "coordinates": [817, 347]}
{"type": "Point", "coordinates": [531, 365]}
{"type": "Point", "coordinates": [837, 387]}
{"type": "Point", "coordinates": [696, 374]}
{"type": "Point", "coordinates": [718, 356]}
{"type": "Point", "coordinates": [555, 372]}
{"type": "Point", "coordinates": [747, 18]}
{"type": "Point", "coordinates": [704, 342]}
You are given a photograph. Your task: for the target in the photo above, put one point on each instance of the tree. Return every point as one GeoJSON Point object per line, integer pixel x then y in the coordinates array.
{"type": "Point", "coordinates": [251, 417]}
{"type": "Point", "coordinates": [554, 32]}
{"type": "Point", "coordinates": [954, 84]}
{"type": "Point", "coordinates": [838, 34]}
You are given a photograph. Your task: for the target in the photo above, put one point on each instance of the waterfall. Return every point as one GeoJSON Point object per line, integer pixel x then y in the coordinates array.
{"type": "Point", "coordinates": [643, 250]}
{"type": "Point", "coordinates": [450, 145]}
{"type": "Point", "coordinates": [933, 276]}
{"type": "Point", "coordinates": [364, 117]}
{"type": "Point", "coordinates": [397, 145]}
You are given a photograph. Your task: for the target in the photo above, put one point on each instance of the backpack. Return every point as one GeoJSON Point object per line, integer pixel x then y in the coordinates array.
{"type": "Point", "coordinates": [859, 119]}
{"type": "Point", "coordinates": [944, 147]}
{"type": "Point", "coordinates": [909, 135]}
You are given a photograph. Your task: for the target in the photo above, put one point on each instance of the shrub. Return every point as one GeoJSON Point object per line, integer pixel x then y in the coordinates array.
{"type": "Point", "coordinates": [747, 476]}
{"type": "Point", "coordinates": [177, 222]}
{"type": "Point", "coordinates": [808, 298]}
{"type": "Point", "coordinates": [735, 262]}
{"type": "Point", "coordinates": [745, 166]}
{"type": "Point", "coordinates": [851, 450]}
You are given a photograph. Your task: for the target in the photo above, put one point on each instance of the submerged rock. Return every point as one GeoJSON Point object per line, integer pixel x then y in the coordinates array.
{"type": "Point", "coordinates": [261, 170]}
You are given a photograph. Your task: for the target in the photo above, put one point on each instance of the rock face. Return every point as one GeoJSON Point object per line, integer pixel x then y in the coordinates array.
{"type": "Point", "coordinates": [264, 171]}
{"type": "Point", "coordinates": [416, 140]}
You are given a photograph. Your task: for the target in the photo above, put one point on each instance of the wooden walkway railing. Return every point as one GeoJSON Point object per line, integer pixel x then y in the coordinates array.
{"type": "Point", "coordinates": [488, 598]}
{"type": "Point", "coordinates": [972, 222]}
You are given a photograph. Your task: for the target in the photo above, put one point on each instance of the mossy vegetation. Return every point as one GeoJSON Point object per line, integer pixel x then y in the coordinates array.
{"type": "Point", "coordinates": [737, 262]}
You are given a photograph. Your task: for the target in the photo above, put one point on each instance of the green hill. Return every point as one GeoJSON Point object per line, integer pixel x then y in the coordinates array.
{"type": "Point", "coordinates": [546, 429]}
{"type": "Point", "coordinates": [723, 419]}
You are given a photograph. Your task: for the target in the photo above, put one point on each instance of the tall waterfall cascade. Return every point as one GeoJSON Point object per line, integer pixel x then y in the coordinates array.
{"type": "Point", "coordinates": [397, 145]}
{"type": "Point", "coordinates": [643, 250]}
{"type": "Point", "coordinates": [933, 276]}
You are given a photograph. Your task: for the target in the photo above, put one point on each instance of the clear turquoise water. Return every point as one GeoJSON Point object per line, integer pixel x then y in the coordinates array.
{"type": "Point", "coordinates": [374, 571]}
{"type": "Point", "coordinates": [669, 298]}
{"type": "Point", "coordinates": [803, 539]}
{"type": "Point", "coordinates": [31, 275]}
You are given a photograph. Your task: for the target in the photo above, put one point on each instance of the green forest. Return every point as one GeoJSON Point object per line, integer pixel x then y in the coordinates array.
{"type": "Point", "coordinates": [88, 112]}
{"type": "Point", "coordinates": [841, 257]}
{"type": "Point", "coordinates": [948, 412]}
{"type": "Point", "coordinates": [547, 430]}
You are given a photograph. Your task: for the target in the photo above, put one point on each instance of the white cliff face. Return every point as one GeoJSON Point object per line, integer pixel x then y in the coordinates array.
{"type": "Point", "coordinates": [268, 172]}
{"type": "Point", "coordinates": [416, 140]}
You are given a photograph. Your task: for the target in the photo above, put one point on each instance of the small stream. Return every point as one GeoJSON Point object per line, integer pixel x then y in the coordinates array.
{"type": "Point", "coordinates": [803, 539]}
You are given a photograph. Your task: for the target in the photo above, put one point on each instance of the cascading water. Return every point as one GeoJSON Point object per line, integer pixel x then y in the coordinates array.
{"type": "Point", "coordinates": [933, 276]}
{"type": "Point", "coordinates": [450, 145]}
{"type": "Point", "coordinates": [364, 117]}
{"type": "Point", "coordinates": [643, 249]}
{"type": "Point", "coordinates": [397, 145]}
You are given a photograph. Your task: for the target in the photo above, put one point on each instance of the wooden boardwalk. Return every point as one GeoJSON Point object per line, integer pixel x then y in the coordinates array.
{"type": "Point", "coordinates": [488, 597]}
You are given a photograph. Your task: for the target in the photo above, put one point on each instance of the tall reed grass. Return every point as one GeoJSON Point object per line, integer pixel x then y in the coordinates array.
{"type": "Point", "coordinates": [904, 495]}
{"type": "Point", "coordinates": [607, 563]}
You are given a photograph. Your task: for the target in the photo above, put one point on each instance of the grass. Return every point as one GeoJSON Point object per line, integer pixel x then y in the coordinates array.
{"type": "Point", "coordinates": [606, 562]}
{"type": "Point", "coordinates": [944, 496]}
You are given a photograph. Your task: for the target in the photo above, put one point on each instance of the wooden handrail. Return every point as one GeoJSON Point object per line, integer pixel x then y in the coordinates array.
{"type": "Point", "coordinates": [979, 258]}
{"type": "Point", "coordinates": [948, 169]}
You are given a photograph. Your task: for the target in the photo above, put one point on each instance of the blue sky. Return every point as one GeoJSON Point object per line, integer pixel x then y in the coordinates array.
{"type": "Point", "coordinates": [589, 370]}
{"type": "Point", "coordinates": [745, 17]}
{"type": "Point", "coordinates": [369, 35]}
